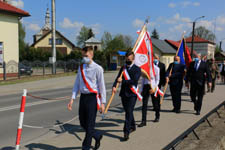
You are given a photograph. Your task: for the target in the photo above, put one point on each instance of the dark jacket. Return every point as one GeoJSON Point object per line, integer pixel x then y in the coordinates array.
{"type": "Point", "coordinates": [134, 73]}
{"type": "Point", "coordinates": [177, 73]}
{"type": "Point", "coordinates": [198, 77]}
{"type": "Point", "coordinates": [162, 74]}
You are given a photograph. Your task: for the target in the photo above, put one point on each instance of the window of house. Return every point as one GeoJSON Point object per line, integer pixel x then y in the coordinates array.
{"type": "Point", "coordinates": [1, 54]}
{"type": "Point", "coordinates": [58, 41]}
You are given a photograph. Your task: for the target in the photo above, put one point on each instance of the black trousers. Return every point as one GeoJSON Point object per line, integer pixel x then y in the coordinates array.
{"type": "Point", "coordinates": [213, 84]}
{"type": "Point", "coordinates": [87, 116]}
{"type": "Point", "coordinates": [155, 103]}
{"type": "Point", "coordinates": [175, 91]}
{"type": "Point", "coordinates": [197, 91]}
{"type": "Point", "coordinates": [128, 105]}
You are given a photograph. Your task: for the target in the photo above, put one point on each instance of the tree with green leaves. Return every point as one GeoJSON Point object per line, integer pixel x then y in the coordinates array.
{"type": "Point", "coordinates": [204, 33]}
{"type": "Point", "coordinates": [90, 33]}
{"type": "Point", "coordinates": [155, 34]}
{"type": "Point", "coordinates": [106, 38]}
{"type": "Point", "coordinates": [84, 35]}
{"type": "Point", "coordinates": [22, 43]}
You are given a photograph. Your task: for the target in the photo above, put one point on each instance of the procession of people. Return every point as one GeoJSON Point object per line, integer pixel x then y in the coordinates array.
{"type": "Point", "coordinates": [90, 84]}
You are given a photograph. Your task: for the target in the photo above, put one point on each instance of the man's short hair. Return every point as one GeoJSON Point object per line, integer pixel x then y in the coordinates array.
{"type": "Point", "coordinates": [128, 53]}
{"type": "Point", "coordinates": [87, 48]}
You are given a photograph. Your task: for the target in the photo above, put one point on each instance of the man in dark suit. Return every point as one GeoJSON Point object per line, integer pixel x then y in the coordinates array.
{"type": "Point", "coordinates": [127, 95]}
{"type": "Point", "coordinates": [162, 70]}
{"type": "Point", "coordinates": [174, 76]}
{"type": "Point", "coordinates": [197, 74]}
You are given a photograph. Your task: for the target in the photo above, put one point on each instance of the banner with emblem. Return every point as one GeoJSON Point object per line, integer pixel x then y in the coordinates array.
{"type": "Point", "coordinates": [144, 53]}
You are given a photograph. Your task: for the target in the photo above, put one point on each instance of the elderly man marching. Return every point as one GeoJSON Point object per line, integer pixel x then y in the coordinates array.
{"type": "Point", "coordinates": [129, 92]}
{"type": "Point", "coordinates": [90, 83]}
{"type": "Point", "coordinates": [149, 88]}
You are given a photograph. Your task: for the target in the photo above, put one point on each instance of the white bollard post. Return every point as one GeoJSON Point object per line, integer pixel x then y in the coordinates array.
{"type": "Point", "coordinates": [22, 108]}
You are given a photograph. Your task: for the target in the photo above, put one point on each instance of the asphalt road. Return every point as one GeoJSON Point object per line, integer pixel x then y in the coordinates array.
{"type": "Point", "coordinates": [37, 113]}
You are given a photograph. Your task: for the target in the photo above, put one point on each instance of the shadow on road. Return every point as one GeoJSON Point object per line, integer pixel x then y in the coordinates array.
{"type": "Point", "coordinates": [35, 146]}
{"type": "Point", "coordinates": [7, 148]}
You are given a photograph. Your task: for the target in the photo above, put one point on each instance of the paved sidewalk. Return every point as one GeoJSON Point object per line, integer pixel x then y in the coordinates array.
{"type": "Point", "coordinates": [48, 84]}
{"type": "Point", "coordinates": [152, 137]}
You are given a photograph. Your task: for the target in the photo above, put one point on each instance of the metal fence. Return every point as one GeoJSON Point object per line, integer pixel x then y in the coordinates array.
{"type": "Point", "coordinates": [13, 69]}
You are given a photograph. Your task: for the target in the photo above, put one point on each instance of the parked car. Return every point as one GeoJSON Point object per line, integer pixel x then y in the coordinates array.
{"type": "Point", "coordinates": [25, 70]}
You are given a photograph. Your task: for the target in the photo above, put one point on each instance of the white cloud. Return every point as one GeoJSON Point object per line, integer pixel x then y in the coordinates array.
{"type": "Point", "coordinates": [220, 20]}
{"type": "Point", "coordinates": [17, 3]}
{"type": "Point", "coordinates": [33, 27]}
{"type": "Point", "coordinates": [219, 29]}
{"type": "Point", "coordinates": [96, 28]}
{"type": "Point", "coordinates": [196, 4]}
{"type": "Point", "coordinates": [177, 19]}
{"type": "Point", "coordinates": [172, 5]}
{"type": "Point", "coordinates": [183, 4]}
{"type": "Point", "coordinates": [138, 23]}
{"type": "Point", "coordinates": [67, 23]}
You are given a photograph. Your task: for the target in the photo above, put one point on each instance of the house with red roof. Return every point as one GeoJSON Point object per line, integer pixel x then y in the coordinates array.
{"type": "Point", "coordinates": [9, 37]}
{"type": "Point", "coordinates": [203, 46]}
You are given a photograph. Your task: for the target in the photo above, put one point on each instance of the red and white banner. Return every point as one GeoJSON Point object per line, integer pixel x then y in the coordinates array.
{"type": "Point", "coordinates": [144, 54]}
{"type": "Point", "coordinates": [144, 58]}
{"type": "Point", "coordinates": [98, 96]}
{"type": "Point", "coordinates": [134, 89]}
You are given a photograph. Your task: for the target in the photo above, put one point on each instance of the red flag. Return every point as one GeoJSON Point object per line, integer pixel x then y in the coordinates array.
{"type": "Point", "coordinates": [144, 54]}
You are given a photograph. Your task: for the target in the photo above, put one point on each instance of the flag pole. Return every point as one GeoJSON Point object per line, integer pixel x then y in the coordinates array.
{"type": "Point", "coordinates": [166, 85]}
{"type": "Point", "coordinates": [117, 85]}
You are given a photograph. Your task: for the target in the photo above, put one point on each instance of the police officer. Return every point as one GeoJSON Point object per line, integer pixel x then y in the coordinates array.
{"type": "Point", "coordinates": [131, 74]}
{"type": "Point", "coordinates": [197, 74]}
{"type": "Point", "coordinates": [147, 90]}
{"type": "Point", "coordinates": [174, 76]}
{"type": "Point", "coordinates": [90, 83]}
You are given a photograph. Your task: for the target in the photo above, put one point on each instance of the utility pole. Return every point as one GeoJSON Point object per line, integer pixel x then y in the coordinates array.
{"type": "Point", "coordinates": [192, 40]}
{"type": "Point", "coordinates": [193, 35]}
{"type": "Point", "coordinates": [53, 39]}
{"type": "Point", "coordinates": [220, 45]}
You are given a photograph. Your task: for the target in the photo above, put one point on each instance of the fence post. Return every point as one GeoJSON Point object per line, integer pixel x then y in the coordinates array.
{"type": "Point", "coordinates": [43, 68]}
{"type": "Point", "coordinates": [18, 70]}
{"type": "Point", "coordinates": [4, 70]}
{"type": "Point", "coordinates": [64, 67]}
{"type": "Point", "coordinates": [22, 109]}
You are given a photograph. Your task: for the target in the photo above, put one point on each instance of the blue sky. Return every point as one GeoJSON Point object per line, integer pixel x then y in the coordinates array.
{"type": "Point", "coordinates": [169, 17]}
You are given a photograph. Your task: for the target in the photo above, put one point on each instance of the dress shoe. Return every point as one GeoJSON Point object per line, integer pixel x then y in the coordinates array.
{"type": "Point", "coordinates": [177, 111]}
{"type": "Point", "coordinates": [156, 120]}
{"type": "Point", "coordinates": [98, 143]}
{"type": "Point", "coordinates": [132, 130]}
{"type": "Point", "coordinates": [126, 137]}
{"type": "Point", "coordinates": [198, 113]}
{"type": "Point", "coordinates": [142, 124]}
{"type": "Point", "coordinates": [174, 110]}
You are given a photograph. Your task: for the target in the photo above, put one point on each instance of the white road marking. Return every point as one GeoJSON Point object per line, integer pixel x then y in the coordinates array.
{"type": "Point", "coordinates": [32, 104]}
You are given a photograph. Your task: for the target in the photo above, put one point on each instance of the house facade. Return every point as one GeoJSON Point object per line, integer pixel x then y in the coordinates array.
{"type": "Point", "coordinates": [164, 50]}
{"type": "Point", "coordinates": [43, 39]}
{"type": "Point", "coordinates": [9, 37]}
{"type": "Point", "coordinates": [203, 46]}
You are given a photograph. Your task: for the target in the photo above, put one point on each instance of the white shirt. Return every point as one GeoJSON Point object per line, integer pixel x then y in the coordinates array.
{"type": "Point", "coordinates": [198, 64]}
{"type": "Point", "coordinates": [154, 80]}
{"type": "Point", "coordinates": [95, 77]}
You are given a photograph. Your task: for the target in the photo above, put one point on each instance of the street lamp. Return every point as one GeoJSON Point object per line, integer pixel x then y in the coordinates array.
{"type": "Point", "coordinates": [193, 34]}
{"type": "Point", "coordinates": [221, 44]}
